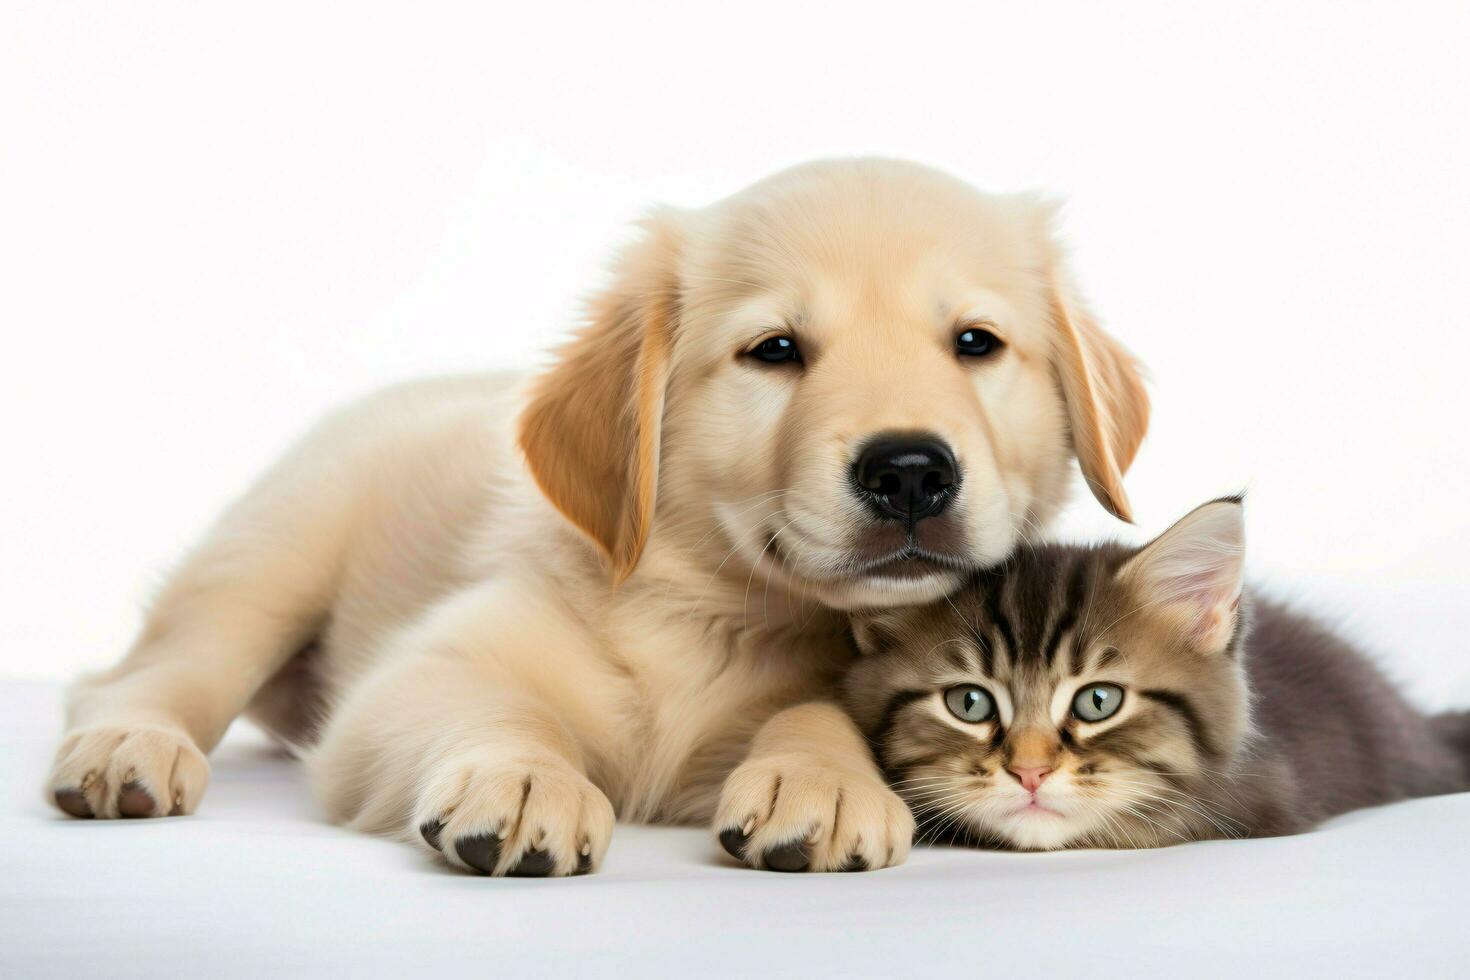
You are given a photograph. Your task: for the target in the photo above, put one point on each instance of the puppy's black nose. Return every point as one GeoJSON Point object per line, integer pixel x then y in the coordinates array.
{"type": "Point", "coordinates": [906, 477]}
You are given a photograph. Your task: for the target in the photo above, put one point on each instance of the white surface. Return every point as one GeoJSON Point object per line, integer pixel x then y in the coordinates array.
{"type": "Point", "coordinates": [220, 219]}
{"type": "Point", "coordinates": [254, 885]}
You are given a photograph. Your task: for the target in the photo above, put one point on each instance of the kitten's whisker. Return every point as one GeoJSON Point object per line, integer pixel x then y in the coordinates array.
{"type": "Point", "coordinates": [1218, 779]}
{"type": "Point", "coordinates": [1222, 823]}
{"type": "Point", "coordinates": [942, 816]}
{"type": "Point", "coordinates": [1114, 824]}
{"type": "Point", "coordinates": [925, 787]}
{"type": "Point", "coordinates": [1132, 808]}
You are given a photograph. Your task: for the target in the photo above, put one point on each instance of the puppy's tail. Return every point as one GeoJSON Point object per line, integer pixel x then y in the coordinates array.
{"type": "Point", "coordinates": [1453, 730]}
{"type": "Point", "coordinates": [296, 750]}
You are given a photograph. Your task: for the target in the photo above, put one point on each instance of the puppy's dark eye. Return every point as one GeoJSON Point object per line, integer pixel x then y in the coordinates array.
{"type": "Point", "coordinates": [976, 342]}
{"type": "Point", "coordinates": [775, 350]}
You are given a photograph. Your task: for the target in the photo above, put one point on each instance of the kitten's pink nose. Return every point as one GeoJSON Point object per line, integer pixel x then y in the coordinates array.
{"type": "Point", "coordinates": [1031, 776]}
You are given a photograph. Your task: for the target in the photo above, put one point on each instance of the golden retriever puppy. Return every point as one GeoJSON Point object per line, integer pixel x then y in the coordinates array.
{"type": "Point", "coordinates": [493, 613]}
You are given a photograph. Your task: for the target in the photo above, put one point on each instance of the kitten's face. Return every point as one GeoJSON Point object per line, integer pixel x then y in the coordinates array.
{"type": "Point", "coordinates": [1077, 697]}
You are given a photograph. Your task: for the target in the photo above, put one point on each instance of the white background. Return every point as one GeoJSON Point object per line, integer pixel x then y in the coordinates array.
{"type": "Point", "coordinates": [218, 220]}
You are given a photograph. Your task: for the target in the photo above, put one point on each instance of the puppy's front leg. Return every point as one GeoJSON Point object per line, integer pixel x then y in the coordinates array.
{"type": "Point", "coordinates": [469, 738]}
{"type": "Point", "coordinates": [809, 797]}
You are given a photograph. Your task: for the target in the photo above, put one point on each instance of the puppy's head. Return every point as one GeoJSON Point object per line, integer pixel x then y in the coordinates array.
{"type": "Point", "coordinates": [856, 378]}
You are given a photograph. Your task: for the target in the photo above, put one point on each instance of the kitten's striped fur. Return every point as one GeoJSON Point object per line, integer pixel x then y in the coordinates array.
{"type": "Point", "coordinates": [1228, 727]}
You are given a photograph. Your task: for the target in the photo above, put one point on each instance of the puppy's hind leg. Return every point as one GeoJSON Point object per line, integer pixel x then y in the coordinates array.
{"type": "Point", "coordinates": [251, 595]}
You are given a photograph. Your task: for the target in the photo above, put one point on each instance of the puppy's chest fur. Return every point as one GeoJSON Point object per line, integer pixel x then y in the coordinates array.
{"type": "Point", "coordinates": [698, 686]}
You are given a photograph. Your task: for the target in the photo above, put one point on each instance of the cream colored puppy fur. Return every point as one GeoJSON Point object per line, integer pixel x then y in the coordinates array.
{"type": "Point", "coordinates": [497, 612]}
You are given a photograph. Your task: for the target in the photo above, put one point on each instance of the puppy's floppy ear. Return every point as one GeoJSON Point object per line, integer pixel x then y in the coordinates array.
{"type": "Point", "coordinates": [590, 430]}
{"type": "Point", "coordinates": [1106, 400]}
{"type": "Point", "coordinates": [1192, 573]}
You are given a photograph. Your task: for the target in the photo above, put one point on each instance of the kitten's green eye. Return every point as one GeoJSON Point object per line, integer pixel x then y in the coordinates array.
{"type": "Point", "coordinates": [970, 703]}
{"type": "Point", "coordinates": [1097, 701]}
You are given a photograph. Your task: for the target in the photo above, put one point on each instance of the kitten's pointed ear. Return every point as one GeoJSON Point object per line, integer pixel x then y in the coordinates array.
{"type": "Point", "coordinates": [1192, 573]}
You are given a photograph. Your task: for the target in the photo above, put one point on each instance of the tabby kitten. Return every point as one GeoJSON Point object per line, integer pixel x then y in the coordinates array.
{"type": "Point", "coordinates": [1133, 697]}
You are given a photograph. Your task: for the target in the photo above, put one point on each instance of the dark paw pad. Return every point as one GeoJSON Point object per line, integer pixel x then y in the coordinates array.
{"type": "Point", "coordinates": [74, 802]}
{"type": "Point", "coordinates": [584, 864]}
{"type": "Point", "coordinates": [788, 857]}
{"type": "Point", "coordinates": [733, 840]}
{"type": "Point", "coordinates": [135, 801]}
{"type": "Point", "coordinates": [534, 864]}
{"type": "Point", "coordinates": [431, 829]}
{"type": "Point", "coordinates": [479, 852]}
{"type": "Point", "coordinates": [855, 862]}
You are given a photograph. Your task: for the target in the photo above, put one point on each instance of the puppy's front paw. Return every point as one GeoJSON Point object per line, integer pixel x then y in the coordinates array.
{"type": "Point", "coordinates": [795, 814]}
{"type": "Point", "coordinates": [524, 819]}
{"type": "Point", "coordinates": [128, 772]}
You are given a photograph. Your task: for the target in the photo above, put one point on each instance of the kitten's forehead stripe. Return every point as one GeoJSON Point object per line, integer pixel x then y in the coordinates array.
{"type": "Point", "coordinates": [957, 655]}
{"type": "Point", "coordinates": [1062, 598]}
{"type": "Point", "coordinates": [986, 653]}
{"type": "Point", "coordinates": [1067, 621]}
{"type": "Point", "coordinates": [1075, 651]}
{"type": "Point", "coordinates": [995, 609]}
{"type": "Point", "coordinates": [1031, 608]}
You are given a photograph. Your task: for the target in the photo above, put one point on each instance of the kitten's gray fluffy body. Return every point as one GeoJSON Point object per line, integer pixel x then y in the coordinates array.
{"type": "Point", "coordinates": [1238, 717]}
{"type": "Point", "coordinates": [1332, 734]}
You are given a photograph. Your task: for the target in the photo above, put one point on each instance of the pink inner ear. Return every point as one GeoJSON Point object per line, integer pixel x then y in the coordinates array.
{"type": "Point", "coordinates": [1195, 567]}
{"type": "Point", "coordinates": [1205, 588]}
{"type": "Point", "coordinates": [1214, 599]}
{"type": "Point", "coordinates": [1206, 583]}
